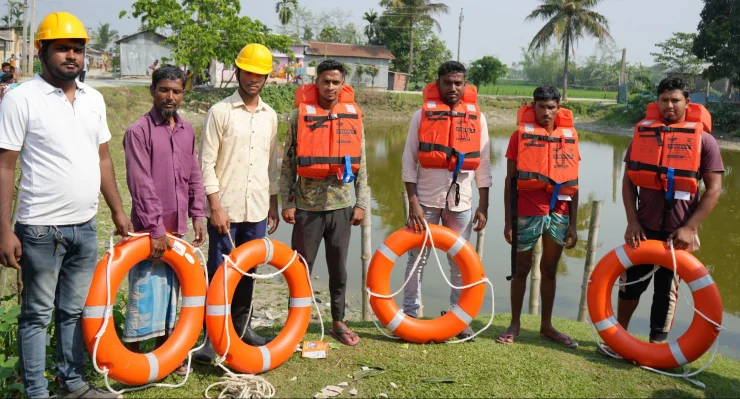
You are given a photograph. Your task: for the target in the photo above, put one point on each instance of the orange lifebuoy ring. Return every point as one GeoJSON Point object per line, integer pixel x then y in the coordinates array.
{"type": "Point", "coordinates": [141, 368]}
{"type": "Point", "coordinates": [441, 328]}
{"type": "Point", "coordinates": [246, 358]}
{"type": "Point", "coordinates": [687, 348]}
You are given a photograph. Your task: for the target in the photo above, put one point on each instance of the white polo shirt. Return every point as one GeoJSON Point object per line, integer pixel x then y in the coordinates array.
{"type": "Point", "coordinates": [58, 143]}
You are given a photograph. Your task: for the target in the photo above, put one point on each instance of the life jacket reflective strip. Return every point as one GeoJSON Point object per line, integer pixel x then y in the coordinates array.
{"type": "Point", "coordinates": [668, 158]}
{"type": "Point", "coordinates": [450, 138]}
{"type": "Point", "coordinates": [328, 143]}
{"type": "Point", "coordinates": [547, 161]}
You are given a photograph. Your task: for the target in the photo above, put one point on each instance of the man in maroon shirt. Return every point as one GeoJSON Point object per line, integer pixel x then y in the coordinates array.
{"type": "Point", "coordinates": [166, 187]}
{"type": "Point", "coordinates": [650, 216]}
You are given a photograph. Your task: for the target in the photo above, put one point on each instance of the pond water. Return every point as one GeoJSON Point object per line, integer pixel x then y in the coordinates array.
{"type": "Point", "coordinates": [600, 179]}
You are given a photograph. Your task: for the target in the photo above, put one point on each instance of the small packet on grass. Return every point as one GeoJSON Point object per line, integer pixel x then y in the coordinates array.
{"type": "Point", "coordinates": [315, 349]}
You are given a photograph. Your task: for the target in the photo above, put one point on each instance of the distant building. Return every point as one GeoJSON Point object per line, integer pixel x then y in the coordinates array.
{"type": "Point", "coordinates": [703, 90]}
{"type": "Point", "coordinates": [352, 54]}
{"type": "Point", "coordinates": [138, 52]}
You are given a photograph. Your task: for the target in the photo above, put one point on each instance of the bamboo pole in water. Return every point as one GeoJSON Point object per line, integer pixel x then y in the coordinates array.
{"type": "Point", "coordinates": [366, 255]}
{"type": "Point", "coordinates": [593, 233]}
{"type": "Point", "coordinates": [535, 277]}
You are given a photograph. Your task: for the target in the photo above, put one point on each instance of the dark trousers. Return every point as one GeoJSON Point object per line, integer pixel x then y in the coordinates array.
{"type": "Point", "coordinates": [220, 245]}
{"type": "Point", "coordinates": [665, 292]}
{"type": "Point", "coordinates": [82, 76]}
{"type": "Point", "coordinates": [334, 227]}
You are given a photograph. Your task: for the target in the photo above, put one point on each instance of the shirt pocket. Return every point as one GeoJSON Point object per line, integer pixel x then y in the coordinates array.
{"type": "Point", "coordinates": [92, 121]}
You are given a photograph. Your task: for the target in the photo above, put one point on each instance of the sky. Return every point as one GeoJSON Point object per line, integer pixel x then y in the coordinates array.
{"type": "Point", "coordinates": [490, 27]}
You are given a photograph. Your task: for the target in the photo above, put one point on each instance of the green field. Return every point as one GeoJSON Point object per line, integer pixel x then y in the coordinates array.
{"type": "Point", "coordinates": [516, 90]}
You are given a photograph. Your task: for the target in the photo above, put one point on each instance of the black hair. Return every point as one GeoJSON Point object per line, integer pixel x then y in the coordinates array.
{"type": "Point", "coordinates": [329, 65]}
{"type": "Point", "coordinates": [451, 67]}
{"type": "Point", "coordinates": [674, 83]}
{"type": "Point", "coordinates": [6, 64]}
{"type": "Point", "coordinates": [546, 93]}
{"type": "Point", "coordinates": [169, 72]}
{"type": "Point", "coordinates": [6, 78]}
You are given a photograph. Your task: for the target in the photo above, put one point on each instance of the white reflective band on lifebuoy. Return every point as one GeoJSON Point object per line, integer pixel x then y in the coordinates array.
{"type": "Point", "coordinates": [193, 301]}
{"type": "Point", "coordinates": [455, 249]}
{"type": "Point", "coordinates": [265, 358]}
{"type": "Point", "coordinates": [397, 319]}
{"type": "Point", "coordinates": [218, 310]}
{"type": "Point", "coordinates": [153, 367]}
{"type": "Point", "coordinates": [462, 315]}
{"type": "Point", "coordinates": [605, 324]}
{"type": "Point", "coordinates": [677, 353]}
{"type": "Point", "coordinates": [623, 258]}
{"type": "Point", "coordinates": [392, 256]}
{"type": "Point", "coordinates": [300, 302]}
{"type": "Point", "coordinates": [93, 312]}
{"type": "Point", "coordinates": [703, 282]}
{"type": "Point", "coordinates": [270, 250]}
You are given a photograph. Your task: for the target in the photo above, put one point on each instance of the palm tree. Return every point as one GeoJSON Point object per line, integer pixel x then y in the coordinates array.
{"type": "Point", "coordinates": [285, 10]}
{"type": "Point", "coordinates": [411, 11]}
{"type": "Point", "coordinates": [371, 30]}
{"type": "Point", "coordinates": [103, 36]}
{"type": "Point", "coordinates": [567, 22]}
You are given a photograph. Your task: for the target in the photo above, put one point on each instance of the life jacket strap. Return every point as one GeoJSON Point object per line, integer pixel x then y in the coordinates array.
{"type": "Point", "coordinates": [634, 165]}
{"type": "Point", "coordinates": [308, 161]}
{"type": "Point", "coordinates": [671, 177]}
{"type": "Point", "coordinates": [538, 137]}
{"type": "Point", "coordinates": [522, 175]}
{"type": "Point", "coordinates": [321, 119]}
{"type": "Point", "coordinates": [429, 147]}
{"type": "Point", "coordinates": [430, 113]}
{"type": "Point", "coordinates": [347, 175]}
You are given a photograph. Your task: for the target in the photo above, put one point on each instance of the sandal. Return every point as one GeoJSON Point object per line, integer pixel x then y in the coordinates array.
{"type": "Point", "coordinates": [563, 339]}
{"type": "Point", "coordinates": [507, 339]}
{"type": "Point", "coordinates": [347, 337]}
{"type": "Point", "coordinates": [182, 370]}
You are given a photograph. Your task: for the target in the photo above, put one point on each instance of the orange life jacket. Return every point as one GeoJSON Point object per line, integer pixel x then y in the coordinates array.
{"type": "Point", "coordinates": [448, 135]}
{"type": "Point", "coordinates": [547, 161]}
{"type": "Point", "coordinates": [328, 143]}
{"type": "Point", "coordinates": [667, 158]}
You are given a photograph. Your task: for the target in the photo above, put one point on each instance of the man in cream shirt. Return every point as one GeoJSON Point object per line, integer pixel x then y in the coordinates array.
{"type": "Point", "coordinates": [238, 157]}
{"type": "Point", "coordinates": [433, 201]}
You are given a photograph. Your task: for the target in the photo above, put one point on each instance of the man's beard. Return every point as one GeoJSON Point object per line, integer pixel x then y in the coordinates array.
{"type": "Point", "coordinates": [167, 113]}
{"type": "Point", "coordinates": [61, 74]}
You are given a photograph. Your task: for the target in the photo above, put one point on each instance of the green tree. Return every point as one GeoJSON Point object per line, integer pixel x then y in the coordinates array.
{"type": "Point", "coordinates": [285, 10]}
{"type": "Point", "coordinates": [347, 71]}
{"type": "Point", "coordinates": [407, 13]}
{"type": "Point", "coordinates": [329, 34]}
{"type": "Point", "coordinates": [486, 70]}
{"type": "Point", "coordinates": [371, 30]}
{"type": "Point", "coordinates": [677, 54]}
{"type": "Point", "coordinates": [541, 66]}
{"type": "Point", "coordinates": [372, 71]}
{"type": "Point", "coordinates": [718, 41]}
{"type": "Point", "coordinates": [205, 30]}
{"type": "Point", "coordinates": [103, 36]}
{"type": "Point", "coordinates": [359, 71]}
{"type": "Point", "coordinates": [348, 34]}
{"type": "Point", "coordinates": [567, 22]}
{"type": "Point", "coordinates": [307, 33]}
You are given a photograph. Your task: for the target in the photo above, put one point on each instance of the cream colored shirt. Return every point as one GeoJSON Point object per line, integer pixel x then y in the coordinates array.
{"type": "Point", "coordinates": [238, 157]}
{"type": "Point", "coordinates": [432, 185]}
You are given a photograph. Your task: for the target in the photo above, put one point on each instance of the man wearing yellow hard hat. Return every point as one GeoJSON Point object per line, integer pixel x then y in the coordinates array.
{"type": "Point", "coordinates": [238, 157]}
{"type": "Point", "coordinates": [58, 128]}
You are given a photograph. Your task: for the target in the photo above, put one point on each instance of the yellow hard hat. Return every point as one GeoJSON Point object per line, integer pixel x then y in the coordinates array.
{"type": "Point", "coordinates": [60, 25]}
{"type": "Point", "coordinates": [255, 58]}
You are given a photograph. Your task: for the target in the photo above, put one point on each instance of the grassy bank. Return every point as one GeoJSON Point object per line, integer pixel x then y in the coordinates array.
{"type": "Point", "coordinates": [533, 367]}
{"type": "Point", "coordinates": [518, 90]}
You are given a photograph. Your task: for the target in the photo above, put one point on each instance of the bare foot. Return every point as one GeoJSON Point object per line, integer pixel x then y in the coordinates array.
{"type": "Point", "coordinates": [558, 337]}
{"type": "Point", "coordinates": [508, 336]}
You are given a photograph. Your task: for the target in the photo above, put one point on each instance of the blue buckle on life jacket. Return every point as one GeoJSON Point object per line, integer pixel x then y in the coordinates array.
{"type": "Point", "coordinates": [458, 165]}
{"type": "Point", "coordinates": [555, 194]}
{"type": "Point", "coordinates": [347, 175]}
{"type": "Point", "coordinates": [671, 177]}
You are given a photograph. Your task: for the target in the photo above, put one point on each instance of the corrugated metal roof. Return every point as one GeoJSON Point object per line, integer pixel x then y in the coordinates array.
{"type": "Point", "coordinates": [348, 50]}
{"type": "Point", "coordinates": [139, 33]}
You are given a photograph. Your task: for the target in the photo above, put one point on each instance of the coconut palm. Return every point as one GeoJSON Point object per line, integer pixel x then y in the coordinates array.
{"type": "Point", "coordinates": [103, 36]}
{"type": "Point", "coordinates": [371, 30]}
{"type": "Point", "coordinates": [409, 12]}
{"type": "Point", "coordinates": [567, 22]}
{"type": "Point", "coordinates": [285, 10]}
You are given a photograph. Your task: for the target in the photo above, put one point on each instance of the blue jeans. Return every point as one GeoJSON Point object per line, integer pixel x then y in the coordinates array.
{"type": "Point", "coordinates": [58, 264]}
{"type": "Point", "coordinates": [459, 222]}
{"type": "Point", "coordinates": [220, 245]}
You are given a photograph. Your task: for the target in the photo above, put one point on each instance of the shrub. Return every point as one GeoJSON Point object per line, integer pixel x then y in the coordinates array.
{"type": "Point", "coordinates": [725, 117]}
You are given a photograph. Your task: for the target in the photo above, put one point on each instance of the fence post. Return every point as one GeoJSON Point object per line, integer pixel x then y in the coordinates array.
{"type": "Point", "coordinates": [366, 255]}
{"type": "Point", "coordinates": [593, 233]}
{"type": "Point", "coordinates": [535, 275]}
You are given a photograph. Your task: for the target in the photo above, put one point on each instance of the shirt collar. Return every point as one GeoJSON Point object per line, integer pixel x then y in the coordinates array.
{"type": "Point", "coordinates": [47, 88]}
{"type": "Point", "coordinates": [158, 120]}
{"type": "Point", "coordinates": [236, 101]}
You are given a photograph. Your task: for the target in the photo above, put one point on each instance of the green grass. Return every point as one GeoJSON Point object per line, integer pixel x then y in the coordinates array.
{"type": "Point", "coordinates": [516, 90]}
{"type": "Point", "coordinates": [532, 367]}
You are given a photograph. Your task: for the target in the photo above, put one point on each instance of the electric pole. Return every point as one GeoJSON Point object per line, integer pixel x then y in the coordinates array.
{"type": "Point", "coordinates": [459, 34]}
{"type": "Point", "coordinates": [31, 46]}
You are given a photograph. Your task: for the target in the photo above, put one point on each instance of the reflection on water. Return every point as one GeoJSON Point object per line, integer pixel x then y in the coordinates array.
{"type": "Point", "coordinates": [600, 178]}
